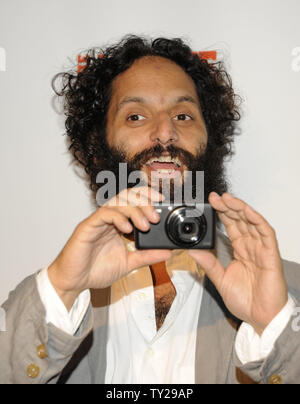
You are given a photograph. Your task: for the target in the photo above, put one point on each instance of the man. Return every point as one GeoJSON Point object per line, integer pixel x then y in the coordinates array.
{"type": "Point", "coordinates": [156, 317]}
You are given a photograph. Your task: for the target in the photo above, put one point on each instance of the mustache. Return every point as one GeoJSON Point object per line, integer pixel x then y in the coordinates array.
{"type": "Point", "coordinates": [187, 158]}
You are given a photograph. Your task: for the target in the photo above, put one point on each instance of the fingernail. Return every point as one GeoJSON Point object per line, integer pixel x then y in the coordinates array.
{"type": "Point", "coordinates": [155, 215]}
{"type": "Point", "coordinates": [145, 223]}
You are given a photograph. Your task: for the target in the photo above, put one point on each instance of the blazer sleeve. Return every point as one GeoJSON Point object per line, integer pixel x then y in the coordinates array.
{"type": "Point", "coordinates": [31, 351]}
{"type": "Point", "coordinates": [282, 366]}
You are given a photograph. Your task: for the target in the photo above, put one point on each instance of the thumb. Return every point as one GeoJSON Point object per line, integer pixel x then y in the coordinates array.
{"type": "Point", "coordinates": [210, 264]}
{"type": "Point", "coordinates": [141, 258]}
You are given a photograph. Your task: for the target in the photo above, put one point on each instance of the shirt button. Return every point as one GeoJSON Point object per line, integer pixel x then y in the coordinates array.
{"type": "Point", "coordinates": [33, 371]}
{"type": "Point", "coordinates": [41, 351]}
{"type": "Point", "coordinates": [275, 379]}
{"type": "Point", "coordinates": [142, 296]}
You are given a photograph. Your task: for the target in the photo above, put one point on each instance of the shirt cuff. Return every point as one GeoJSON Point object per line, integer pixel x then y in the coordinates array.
{"type": "Point", "coordinates": [251, 347]}
{"type": "Point", "coordinates": [56, 311]}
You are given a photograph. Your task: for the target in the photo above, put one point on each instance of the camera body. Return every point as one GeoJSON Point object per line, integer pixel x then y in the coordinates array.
{"type": "Point", "coordinates": [181, 227]}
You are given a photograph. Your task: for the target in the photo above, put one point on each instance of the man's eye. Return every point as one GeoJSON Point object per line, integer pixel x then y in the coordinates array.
{"type": "Point", "coordinates": [136, 117]}
{"type": "Point", "coordinates": [183, 117]}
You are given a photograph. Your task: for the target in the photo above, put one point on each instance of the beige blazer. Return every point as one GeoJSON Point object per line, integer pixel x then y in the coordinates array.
{"type": "Point", "coordinates": [33, 352]}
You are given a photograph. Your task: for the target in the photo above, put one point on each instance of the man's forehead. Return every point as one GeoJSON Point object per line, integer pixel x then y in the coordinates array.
{"type": "Point", "coordinates": [153, 61]}
{"type": "Point", "coordinates": [151, 71]}
{"type": "Point", "coordinates": [153, 80]}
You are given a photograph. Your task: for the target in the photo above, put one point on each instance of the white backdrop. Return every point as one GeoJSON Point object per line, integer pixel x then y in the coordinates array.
{"type": "Point", "coordinates": [42, 198]}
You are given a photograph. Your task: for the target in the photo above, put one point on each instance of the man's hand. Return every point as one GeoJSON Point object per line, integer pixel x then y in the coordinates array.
{"type": "Point", "coordinates": [95, 256]}
{"type": "Point", "coordinates": [253, 286]}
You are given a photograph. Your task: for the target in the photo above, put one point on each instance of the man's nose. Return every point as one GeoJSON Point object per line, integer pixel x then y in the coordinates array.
{"type": "Point", "coordinates": [164, 131]}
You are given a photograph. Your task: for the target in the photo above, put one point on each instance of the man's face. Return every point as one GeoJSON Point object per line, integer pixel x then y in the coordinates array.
{"type": "Point", "coordinates": [154, 119]}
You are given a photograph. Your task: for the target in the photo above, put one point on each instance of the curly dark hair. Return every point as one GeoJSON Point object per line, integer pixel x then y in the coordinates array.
{"type": "Point", "coordinates": [87, 96]}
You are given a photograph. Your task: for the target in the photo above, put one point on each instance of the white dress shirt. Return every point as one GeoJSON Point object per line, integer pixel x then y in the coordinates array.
{"type": "Point", "coordinates": [166, 356]}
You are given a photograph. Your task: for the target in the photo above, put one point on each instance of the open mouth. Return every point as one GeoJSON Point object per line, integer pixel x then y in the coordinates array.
{"type": "Point", "coordinates": [165, 166]}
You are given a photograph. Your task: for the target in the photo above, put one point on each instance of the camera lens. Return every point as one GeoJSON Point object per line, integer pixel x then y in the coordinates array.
{"type": "Point", "coordinates": [189, 228]}
{"type": "Point", "coordinates": [186, 226]}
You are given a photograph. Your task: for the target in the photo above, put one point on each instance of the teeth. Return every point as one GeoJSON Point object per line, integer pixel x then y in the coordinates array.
{"type": "Point", "coordinates": [162, 171]}
{"type": "Point", "coordinates": [164, 159]}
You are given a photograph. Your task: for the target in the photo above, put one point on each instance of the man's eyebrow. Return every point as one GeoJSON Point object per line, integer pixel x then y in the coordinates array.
{"type": "Point", "coordinates": [140, 100]}
{"type": "Point", "coordinates": [186, 98]}
{"type": "Point", "coordinates": [128, 100]}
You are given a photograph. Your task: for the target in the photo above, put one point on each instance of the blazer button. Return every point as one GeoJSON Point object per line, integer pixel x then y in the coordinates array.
{"type": "Point", "coordinates": [41, 351]}
{"type": "Point", "coordinates": [33, 371]}
{"type": "Point", "coordinates": [275, 379]}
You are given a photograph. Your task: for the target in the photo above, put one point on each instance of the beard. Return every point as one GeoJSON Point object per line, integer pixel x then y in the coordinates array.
{"type": "Point", "coordinates": [206, 161]}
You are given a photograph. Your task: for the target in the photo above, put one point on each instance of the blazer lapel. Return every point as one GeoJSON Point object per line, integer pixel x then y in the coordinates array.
{"type": "Point", "coordinates": [97, 354]}
{"type": "Point", "coordinates": [217, 328]}
{"type": "Point", "coordinates": [215, 338]}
